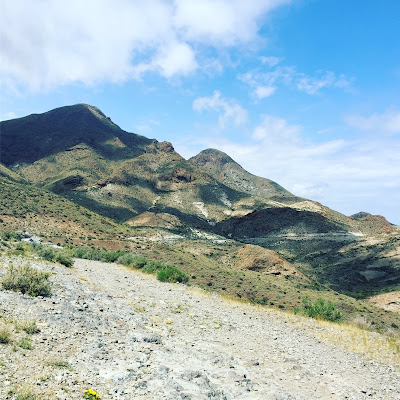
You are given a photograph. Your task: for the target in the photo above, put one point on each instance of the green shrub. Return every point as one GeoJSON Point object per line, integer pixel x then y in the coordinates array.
{"type": "Point", "coordinates": [25, 343]}
{"type": "Point", "coordinates": [5, 335]}
{"type": "Point", "coordinates": [111, 256]}
{"type": "Point", "coordinates": [27, 280]}
{"type": "Point", "coordinates": [64, 259]}
{"type": "Point", "coordinates": [80, 253]}
{"type": "Point", "coordinates": [93, 254]}
{"type": "Point", "coordinates": [171, 274]}
{"type": "Point", "coordinates": [46, 253]}
{"type": "Point", "coordinates": [152, 266]}
{"type": "Point", "coordinates": [319, 309]}
{"type": "Point", "coordinates": [139, 262]}
{"type": "Point", "coordinates": [126, 259]}
{"type": "Point", "coordinates": [88, 254]}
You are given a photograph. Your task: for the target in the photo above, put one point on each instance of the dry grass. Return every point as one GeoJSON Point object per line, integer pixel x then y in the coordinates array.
{"type": "Point", "coordinates": [383, 348]}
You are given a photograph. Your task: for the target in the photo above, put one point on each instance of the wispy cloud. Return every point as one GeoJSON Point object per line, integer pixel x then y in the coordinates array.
{"type": "Point", "coordinates": [347, 175]}
{"type": "Point", "coordinates": [48, 43]}
{"type": "Point", "coordinates": [264, 91]}
{"type": "Point", "coordinates": [228, 109]}
{"type": "Point", "coordinates": [388, 122]}
{"type": "Point", "coordinates": [271, 61]}
{"type": "Point", "coordinates": [290, 77]}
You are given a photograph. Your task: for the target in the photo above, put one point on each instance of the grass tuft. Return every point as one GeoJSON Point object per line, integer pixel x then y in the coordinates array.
{"type": "Point", "coordinates": [28, 326]}
{"type": "Point", "coordinates": [27, 280]}
{"type": "Point", "coordinates": [5, 335]}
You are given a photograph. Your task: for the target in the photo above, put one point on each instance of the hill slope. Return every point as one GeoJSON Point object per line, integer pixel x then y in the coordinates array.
{"type": "Point", "coordinates": [224, 169]}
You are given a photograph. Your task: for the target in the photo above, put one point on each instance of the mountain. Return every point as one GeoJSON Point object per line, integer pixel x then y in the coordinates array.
{"type": "Point", "coordinates": [74, 177]}
{"type": "Point", "coordinates": [360, 215]}
{"type": "Point", "coordinates": [38, 136]}
{"type": "Point", "coordinates": [224, 169]}
{"type": "Point", "coordinates": [78, 152]}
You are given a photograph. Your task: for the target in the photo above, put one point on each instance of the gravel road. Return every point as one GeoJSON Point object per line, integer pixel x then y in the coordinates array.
{"type": "Point", "coordinates": [128, 336]}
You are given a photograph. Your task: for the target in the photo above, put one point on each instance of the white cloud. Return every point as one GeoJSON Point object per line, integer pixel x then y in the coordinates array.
{"type": "Point", "coordinates": [290, 77]}
{"type": "Point", "coordinates": [271, 61]}
{"type": "Point", "coordinates": [348, 176]}
{"type": "Point", "coordinates": [229, 111]}
{"type": "Point", "coordinates": [45, 44]}
{"type": "Point", "coordinates": [222, 22]}
{"type": "Point", "coordinates": [313, 84]}
{"type": "Point", "coordinates": [264, 91]}
{"type": "Point", "coordinates": [388, 122]}
{"type": "Point", "coordinates": [273, 129]}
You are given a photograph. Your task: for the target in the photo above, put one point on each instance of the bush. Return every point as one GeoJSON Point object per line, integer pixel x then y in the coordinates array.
{"type": "Point", "coordinates": [320, 309]}
{"type": "Point", "coordinates": [126, 259]}
{"type": "Point", "coordinates": [111, 256]}
{"type": "Point", "coordinates": [5, 335]}
{"type": "Point", "coordinates": [27, 280]}
{"type": "Point", "coordinates": [80, 253]}
{"type": "Point", "coordinates": [171, 274]}
{"type": "Point", "coordinates": [64, 259]}
{"type": "Point", "coordinates": [25, 343]}
{"type": "Point", "coordinates": [139, 262]}
{"type": "Point", "coordinates": [152, 266]}
{"type": "Point", "coordinates": [46, 253]}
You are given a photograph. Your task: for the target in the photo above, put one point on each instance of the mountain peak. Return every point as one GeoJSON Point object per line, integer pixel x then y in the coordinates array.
{"type": "Point", "coordinates": [360, 215]}
{"type": "Point", "coordinates": [226, 170]}
{"type": "Point", "coordinates": [27, 139]}
{"type": "Point", "coordinates": [213, 156]}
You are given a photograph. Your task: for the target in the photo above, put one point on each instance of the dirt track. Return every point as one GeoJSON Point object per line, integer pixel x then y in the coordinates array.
{"type": "Point", "coordinates": [128, 336]}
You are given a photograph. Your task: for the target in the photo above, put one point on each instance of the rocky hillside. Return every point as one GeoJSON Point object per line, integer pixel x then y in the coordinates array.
{"type": "Point", "coordinates": [79, 153]}
{"type": "Point", "coordinates": [224, 169]}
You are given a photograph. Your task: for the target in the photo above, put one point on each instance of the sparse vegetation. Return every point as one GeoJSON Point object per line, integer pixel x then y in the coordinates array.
{"type": "Point", "coordinates": [27, 280]}
{"type": "Point", "coordinates": [64, 259]}
{"type": "Point", "coordinates": [320, 309]}
{"type": "Point", "coordinates": [28, 326]}
{"type": "Point", "coordinates": [25, 343]}
{"type": "Point", "coordinates": [62, 364]}
{"type": "Point", "coordinates": [171, 274]}
{"type": "Point", "coordinates": [5, 335]}
{"type": "Point", "coordinates": [25, 394]}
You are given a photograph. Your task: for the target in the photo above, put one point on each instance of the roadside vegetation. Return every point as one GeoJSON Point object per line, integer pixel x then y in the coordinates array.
{"type": "Point", "coordinates": [27, 280]}
{"type": "Point", "coordinates": [165, 273]}
{"type": "Point", "coordinates": [320, 309]}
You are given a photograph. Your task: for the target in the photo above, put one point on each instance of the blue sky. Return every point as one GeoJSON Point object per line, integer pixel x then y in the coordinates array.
{"type": "Point", "coordinates": [304, 92]}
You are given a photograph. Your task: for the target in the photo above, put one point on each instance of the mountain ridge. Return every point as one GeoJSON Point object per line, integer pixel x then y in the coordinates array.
{"type": "Point", "coordinates": [229, 230]}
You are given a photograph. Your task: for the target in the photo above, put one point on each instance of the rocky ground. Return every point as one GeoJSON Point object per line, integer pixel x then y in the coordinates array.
{"type": "Point", "coordinates": [128, 336]}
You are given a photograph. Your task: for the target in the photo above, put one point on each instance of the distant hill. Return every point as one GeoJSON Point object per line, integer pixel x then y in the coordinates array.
{"type": "Point", "coordinates": [78, 152]}
{"type": "Point", "coordinates": [360, 215]}
{"type": "Point", "coordinates": [224, 169]}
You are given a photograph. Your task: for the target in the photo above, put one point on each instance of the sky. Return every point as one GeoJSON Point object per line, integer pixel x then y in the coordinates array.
{"type": "Point", "coordinates": [303, 92]}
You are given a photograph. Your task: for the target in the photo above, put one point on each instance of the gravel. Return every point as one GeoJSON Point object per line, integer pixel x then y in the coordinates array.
{"type": "Point", "coordinates": [128, 336]}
